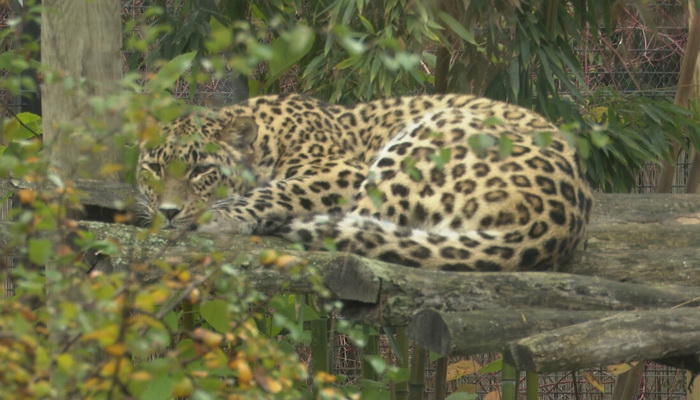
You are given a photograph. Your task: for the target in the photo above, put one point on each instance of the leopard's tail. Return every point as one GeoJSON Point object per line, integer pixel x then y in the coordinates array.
{"type": "Point", "coordinates": [445, 250]}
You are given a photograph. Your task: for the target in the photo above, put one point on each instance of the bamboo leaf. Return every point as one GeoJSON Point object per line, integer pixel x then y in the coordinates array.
{"type": "Point", "coordinates": [457, 28]}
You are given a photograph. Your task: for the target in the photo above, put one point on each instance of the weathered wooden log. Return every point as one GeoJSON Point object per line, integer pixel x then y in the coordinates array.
{"type": "Point", "coordinates": [626, 336]}
{"type": "Point", "coordinates": [633, 236]}
{"type": "Point", "coordinates": [109, 195]}
{"type": "Point", "coordinates": [476, 332]}
{"type": "Point", "coordinates": [389, 295]}
{"type": "Point", "coordinates": [645, 208]}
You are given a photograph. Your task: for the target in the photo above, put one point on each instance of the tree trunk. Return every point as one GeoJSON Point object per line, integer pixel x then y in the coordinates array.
{"type": "Point", "coordinates": [80, 41]}
{"type": "Point", "coordinates": [81, 57]}
{"type": "Point", "coordinates": [685, 84]}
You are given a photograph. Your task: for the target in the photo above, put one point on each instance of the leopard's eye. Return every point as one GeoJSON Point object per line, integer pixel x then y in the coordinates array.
{"type": "Point", "coordinates": [155, 168]}
{"type": "Point", "coordinates": [199, 170]}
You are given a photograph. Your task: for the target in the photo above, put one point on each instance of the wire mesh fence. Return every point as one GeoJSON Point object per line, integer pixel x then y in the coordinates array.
{"type": "Point", "coordinates": [634, 60]}
{"type": "Point", "coordinates": [659, 382]}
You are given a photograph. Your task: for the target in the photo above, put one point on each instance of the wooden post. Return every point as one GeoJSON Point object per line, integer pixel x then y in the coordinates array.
{"type": "Point", "coordinates": [685, 82]}
{"type": "Point", "coordinates": [81, 42]}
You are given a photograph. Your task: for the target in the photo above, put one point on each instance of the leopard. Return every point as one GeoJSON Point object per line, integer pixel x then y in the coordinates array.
{"type": "Point", "coordinates": [448, 182]}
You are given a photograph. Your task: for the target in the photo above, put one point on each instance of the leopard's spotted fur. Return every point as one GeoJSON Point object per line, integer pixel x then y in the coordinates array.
{"type": "Point", "coordinates": [402, 180]}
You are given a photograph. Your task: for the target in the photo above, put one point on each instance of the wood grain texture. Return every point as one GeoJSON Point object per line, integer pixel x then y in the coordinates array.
{"type": "Point", "coordinates": [80, 41]}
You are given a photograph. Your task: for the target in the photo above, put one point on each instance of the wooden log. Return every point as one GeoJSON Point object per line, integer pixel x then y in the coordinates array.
{"type": "Point", "coordinates": [476, 332]}
{"type": "Point", "coordinates": [110, 195]}
{"type": "Point", "coordinates": [389, 295]}
{"type": "Point", "coordinates": [626, 336]}
{"type": "Point", "coordinates": [644, 208]}
{"type": "Point", "coordinates": [634, 236]}
{"type": "Point", "coordinates": [404, 290]}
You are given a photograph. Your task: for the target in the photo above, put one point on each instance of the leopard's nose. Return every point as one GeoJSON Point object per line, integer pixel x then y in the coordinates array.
{"type": "Point", "coordinates": [169, 212]}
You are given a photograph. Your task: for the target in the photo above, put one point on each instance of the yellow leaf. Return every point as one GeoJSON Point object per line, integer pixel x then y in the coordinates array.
{"type": "Point", "coordinates": [597, 113]}
{"type": "Point", "coordinates": [26, 196]}
{"type": "Point", "coordinates": [268, 257]}
{"type": "Point", "coordinates": [144, 302]}
{"type": "Point", "coordinates": [184, 276]}
{"type": "Point", "coordinates": [286, 261]}
{"type": "Point", "coordinates": [122, 218]}
{"type": "Point", "coordinates": [105, 336]}
{"type": "Point", "coordinates": [109, 169]}
{"type": "Point", "coordinates": [141, 376]}
{"type": "Point", "coordinates": [324, 377]}
{"type": "Point", "coordinates": [159, 295]}
{"type": "Point", "coordinates": [109, 368]}
{"type": "Point", "coordinates": [65, 362]}
{"type": "Point", "coordinates": [245, 374]}
{"type": "Point", "coordinates": [461, 368]}
{"type": "Point", "coordinates": [96, 384]}
{"type": "Point", "coordinates": [495, 395]}
{"type": "Point", "coordinates": [149, 130]}
{"type": "Point", "coordinates": [617, 369]}
{"type": "Point", "coordinates": [272, 385]}
{"type": "Point", "coordinates": [183, 388]}
{"type": "Point", "coordinates": [116, 349]}
{"type": "Point", "coordinates": [593, 382]}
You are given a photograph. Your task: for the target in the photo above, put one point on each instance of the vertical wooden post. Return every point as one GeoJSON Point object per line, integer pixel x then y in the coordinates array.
{"type": "Point", "coordinates": [80, 41]}
{"type": "Point", "coordinates": [685, 82]}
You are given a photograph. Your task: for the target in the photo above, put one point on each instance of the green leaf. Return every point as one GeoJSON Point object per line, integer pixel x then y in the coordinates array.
{"type": "Point", "coordinates": [505, 146]}
{"type": "Point", "coordinates": [373, 389]}
{"type": "Point", "coordinates": [599, 139]}
{"type": "Point", "coordinates": [440, 159]}
{"type": "Point", "coordinates": [185, 349]}
{"type": "Point", "coordinates": [543, 139]}
{"type": "Point", "coordinates": [481, 142]}
{"type": "Point", "coordinates": [493, 366]}
{"type": "Point", "coordinates": [39, 251]}
{"type": "Point", "coordinates": [171, 320]}
{"type": "Point", "coordinates": [377, 196]}
{"type": "Point", "coordinates": [159, 388]}
{"type": "Point", "coordinates": [377, 363]}
{"type": "Point", "coordinates": [215, 312]}
{"type": "Point", "coordinates": [456, 27]}
{"type": "Point", "coordinates": [396, 374]}
{"type": "Point", "coordinates": [220, 39]}
{"type": "Point", "coordinates": [288, 49]}
{"type": "Point", "coordinates": [24, 125]}
{"type": "Point", "coordinates": [348, 62]}
{"type": "Point", "coordinates": [171, 72]}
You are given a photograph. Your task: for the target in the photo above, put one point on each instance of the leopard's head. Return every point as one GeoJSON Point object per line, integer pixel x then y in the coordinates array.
{"type": "Point", "coordinates": [193, 162]}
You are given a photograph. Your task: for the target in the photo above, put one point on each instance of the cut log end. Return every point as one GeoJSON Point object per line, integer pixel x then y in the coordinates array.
{"type": "Point", "coordinates": [431, 331]}
{"type": "Point", "coordinates": [349, 279]}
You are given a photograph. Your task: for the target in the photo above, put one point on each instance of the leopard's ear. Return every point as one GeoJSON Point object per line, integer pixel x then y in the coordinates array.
{"type": "Point", "coordinates": [240, 132]}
